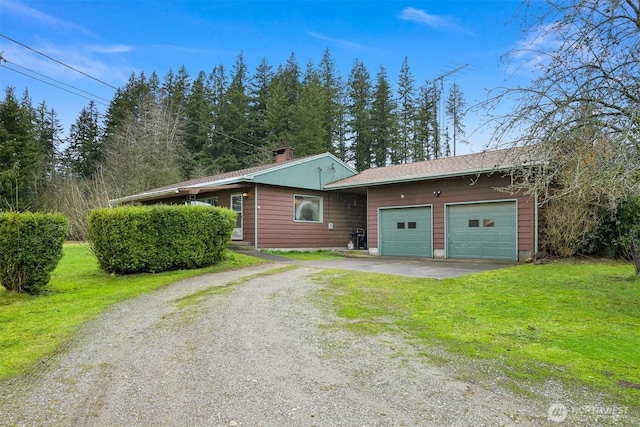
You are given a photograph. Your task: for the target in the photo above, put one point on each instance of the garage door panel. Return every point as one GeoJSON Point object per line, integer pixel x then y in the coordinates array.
{"type": "Point", "coordinates": [482, 230]}
{"type": "Point", "coordinates": [406, 231]}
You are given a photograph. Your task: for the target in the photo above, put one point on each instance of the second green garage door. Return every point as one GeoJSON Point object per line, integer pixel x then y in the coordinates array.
{"type": "Point", "coordinates": [406, 232]}
{"type": "Point", "coordinates": [482, 230]}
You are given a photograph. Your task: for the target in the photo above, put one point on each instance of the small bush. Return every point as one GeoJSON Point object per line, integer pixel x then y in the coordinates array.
{"type": "Point", "coordinates": [30, 248]}
{"type": "Point", "coordinates": [159, 238]}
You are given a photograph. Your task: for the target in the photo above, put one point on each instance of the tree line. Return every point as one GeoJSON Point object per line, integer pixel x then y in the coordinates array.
{"type": "Point", "coordinates": [157, 131]}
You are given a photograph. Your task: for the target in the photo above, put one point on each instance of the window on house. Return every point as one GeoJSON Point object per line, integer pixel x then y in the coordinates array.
{"type": "Point", "coordinates": [488, 223]}
{"type": "Point", "coordinates": [411, 225]}
{"type": "Point", "coordinates": [307, 208]}
{"type": "Point", "coordinates": [400, 225]}
{"type": "Point", "coordinates": [474, 223]}
{"type": "Point", "coordinates": [213, 201]}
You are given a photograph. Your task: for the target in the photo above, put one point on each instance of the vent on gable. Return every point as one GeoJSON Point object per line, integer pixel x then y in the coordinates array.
{"type": "Point", "coordinates": [282, 154]}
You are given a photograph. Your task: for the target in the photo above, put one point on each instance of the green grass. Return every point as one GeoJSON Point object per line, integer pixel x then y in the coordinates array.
{"type": "Point", "coordinates": [34, 327]}
{"type": "Point", "coordinates": [577, 322]}
{"type": "Point", "coordinates": [307, 256]}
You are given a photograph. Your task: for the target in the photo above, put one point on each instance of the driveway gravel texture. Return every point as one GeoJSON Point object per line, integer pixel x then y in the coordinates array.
{"type": "Point", "coordinates": [252, 347]}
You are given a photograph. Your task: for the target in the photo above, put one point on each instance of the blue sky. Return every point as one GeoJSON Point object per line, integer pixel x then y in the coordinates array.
{"type": "Point", "coordinates": [109, 40]}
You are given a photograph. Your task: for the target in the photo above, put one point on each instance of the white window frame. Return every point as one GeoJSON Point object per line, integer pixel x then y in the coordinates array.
{"type": "Point", "coordinates": [300, 199]}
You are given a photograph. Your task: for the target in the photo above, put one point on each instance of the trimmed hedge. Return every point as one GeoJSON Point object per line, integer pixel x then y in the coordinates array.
{"type": "Point", "coordinates": [30, 248]}
{"type": "Point", "coordinates": [158, 238]}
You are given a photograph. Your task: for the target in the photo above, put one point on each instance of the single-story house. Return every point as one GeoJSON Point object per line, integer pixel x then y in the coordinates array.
{"type": "Point", "coordinates": [443, 208]}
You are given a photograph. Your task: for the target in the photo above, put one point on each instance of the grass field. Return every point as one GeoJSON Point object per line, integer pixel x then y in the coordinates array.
{"type": "Point", "coordinates": [576, 322]}
{"type": "Point", "coordinates": [34, 327]}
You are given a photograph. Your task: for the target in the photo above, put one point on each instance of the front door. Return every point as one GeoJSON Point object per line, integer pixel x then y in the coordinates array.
{"type": "Point", "coordinates": [236, 206]}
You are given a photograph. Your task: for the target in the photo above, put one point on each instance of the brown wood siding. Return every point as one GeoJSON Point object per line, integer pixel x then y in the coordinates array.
{"type": "Point", "coordinates": [277, 228]}
{"type": "Point", "coordinates": [452, 190]}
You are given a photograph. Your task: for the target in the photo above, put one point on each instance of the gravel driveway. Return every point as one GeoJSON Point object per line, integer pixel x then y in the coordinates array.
{"type": "Point", "coordinates": [250, 352]}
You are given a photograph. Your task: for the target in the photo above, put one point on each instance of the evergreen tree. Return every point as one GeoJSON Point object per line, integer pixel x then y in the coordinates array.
{"type": "Point", "coordinates": [175, 91]}
{"type": "Point", "coordinates": [48, 140]}
{"type": "Point", "coordinates": [405, 150]}
{"type": "Point", "coordinates": [85, 143]}
{"type": "Point", "coordinates": [383, 120]}
{"type": "Point", "coordinates": [455, 110]}
{"type": "Point", "coordinates": [260, 92]}
{"type": "Point", "coordinates": [18, 154]}
{"type": "Point", "coordinates": [277, 118]}
{"type": "Point", "coordinates": [334, 106]}
{"type": "Point", "coordinates": [424, 122]}
{"type": "Point", "coordinates": [48, 137]}
{"type": "Point", "coordinates": [127, 101]}
{"type": "Point", "coordinates": [198, 123]}
{"type": "Point", "coordinates": [428, 143]}
{"type": "Point", "coordinates": [231, 150]}
{"type": "Point", "coordinates": [218, 85]}
{"type": "Point", "coordinates": [290, 76]}
{"type": "Point", "coordinates": [307, 130]}
{"type": "Point", "coordinates": [359, 122]}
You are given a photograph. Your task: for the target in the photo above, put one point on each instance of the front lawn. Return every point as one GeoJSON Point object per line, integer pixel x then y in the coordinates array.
{"type": "Point", "coordinates": [576, 322]}
{"type": "Point", "coordinates": [34, 327]}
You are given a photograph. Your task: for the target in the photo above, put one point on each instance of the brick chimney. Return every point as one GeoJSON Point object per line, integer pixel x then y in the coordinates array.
{"type": "Point", "coordinates": [282, 155]}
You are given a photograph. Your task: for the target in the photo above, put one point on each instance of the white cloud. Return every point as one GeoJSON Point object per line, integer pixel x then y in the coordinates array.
{"type": "Point", "coordinates": [26, 13]}
{"type": "Point", "coordinates": [439, 22]}
{"type": "Point", "coordinates": [116, 48]}
{"type": "Point", "coordinates": [336, 41]}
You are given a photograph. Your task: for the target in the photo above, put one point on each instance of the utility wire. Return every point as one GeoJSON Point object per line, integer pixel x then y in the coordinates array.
{"type": "Point", "coordinates": [58, 62]}
{"type": "Point", "coordinates": [51, 84]}
{"type": "Point", "coordinates": [87, 75]}
{"type": "Point", "coordinates": [52, 79]}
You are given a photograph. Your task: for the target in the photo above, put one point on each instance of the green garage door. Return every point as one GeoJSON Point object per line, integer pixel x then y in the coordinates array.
{"type": "Point", "coordinates": [482, 230]}
{"type": "Point", "coordinates": [406, 232]}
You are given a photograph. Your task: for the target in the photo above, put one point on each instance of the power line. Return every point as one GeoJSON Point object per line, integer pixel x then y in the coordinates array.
{"type": "Point", "coordinates": [51, 84]}
{"type": "Point", "coordinates": [89, 76]}
{"type": "Point", "coordinates": [58, 62]}
{"type": "Point", "coordinates": [51, 78]}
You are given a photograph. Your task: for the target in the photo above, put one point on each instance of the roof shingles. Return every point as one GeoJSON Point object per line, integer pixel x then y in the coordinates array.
{"type": "Point", "coordinates": [486, 161]}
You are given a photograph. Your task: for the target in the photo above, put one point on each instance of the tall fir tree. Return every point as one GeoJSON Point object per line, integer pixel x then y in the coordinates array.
{"type": "Point", "coordinates": [359, 121]}
{"type": "Point", "coordinates": [307, 131]}
{"type": "Point", "coordinates": [198, 122]}
{"type": "Point", "coordinates": [384, 134]}
{"type": "Point", "coordinates": [85, 143]}
{"type": "Point", "coordinates": [277, 118]}
{"type": "Point", "coordinates": [48, 139]}
{"type": "Point", "coordinates": [405, 151]}
{"type": "Point", "coordinates": [259, 92]}
{"type": "Point", "coordinates": [127, 101]}
{"type": "Point", "coordinates": [334, 106]}
{"type": "Point", "coordinates": [233, 130]}
{"type": "Point", "coordinates": [18, 154]}
{"type": "Point", "coordinates": [456, 105]}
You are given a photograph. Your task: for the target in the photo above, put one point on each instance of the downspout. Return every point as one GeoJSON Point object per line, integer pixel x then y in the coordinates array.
{"type": "Point", "coordinates": [255, 216]}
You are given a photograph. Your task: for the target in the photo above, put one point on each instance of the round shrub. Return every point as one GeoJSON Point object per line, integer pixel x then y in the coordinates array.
{"type": "Point", "coordinates": [30, 248]}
